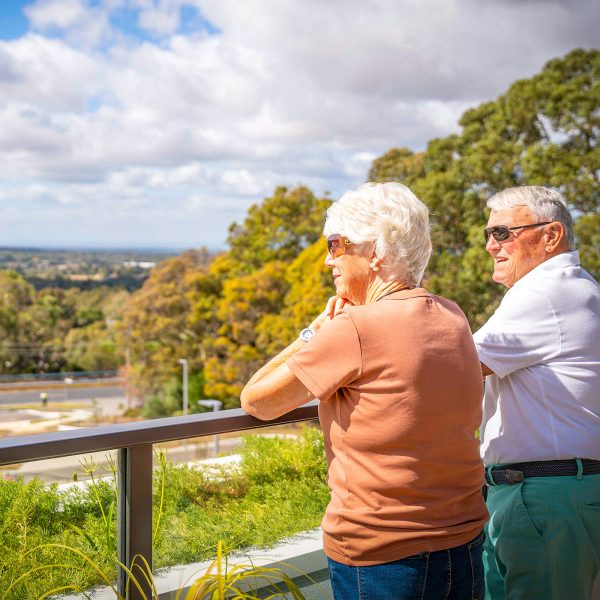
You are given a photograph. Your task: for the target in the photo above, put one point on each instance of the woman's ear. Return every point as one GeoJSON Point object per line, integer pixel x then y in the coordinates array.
{"type": "Point", "coordinates": [375, 262]}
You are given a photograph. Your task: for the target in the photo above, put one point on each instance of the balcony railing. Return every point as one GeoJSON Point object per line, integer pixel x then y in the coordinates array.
{"type": "Point", "coordinates": [134, 442]}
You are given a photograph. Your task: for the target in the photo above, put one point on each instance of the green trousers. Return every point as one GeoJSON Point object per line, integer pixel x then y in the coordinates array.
{"type": "Point", "coordinates": [543, 539]}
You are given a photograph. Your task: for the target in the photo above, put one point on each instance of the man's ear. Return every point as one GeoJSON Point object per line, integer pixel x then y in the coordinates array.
{"type": "Point", "coordinates": [555, 236]}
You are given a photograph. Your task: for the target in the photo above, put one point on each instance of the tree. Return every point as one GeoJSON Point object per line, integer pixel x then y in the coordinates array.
{"type": "Point", "coordinates": [261, 314]}
{"type": "Point", "coordinates": [542, 131]}
{"type": "Point", "coordinates": [221, 314]}
{"type": "Point", "coordinates": [277, 229]}
{"type": "Point", "coordinates": [255, 287]}
{"type": "Point", "coordinates": [236, 353]}
{"type": "Point", "coordinates": [161, 322]}
{"type": "Point", "coordinates": [91, 348]}
{"type": "Point", "coordinates": [16, 296]}
{"type": "Point", "coordinates": [309, 287]}
{"type": "Point", "coordinates": [587, 231]}
{"type": "Point", "coordinates": [397, 164]}
{"type": "Point", "coordinates": [53, 329]}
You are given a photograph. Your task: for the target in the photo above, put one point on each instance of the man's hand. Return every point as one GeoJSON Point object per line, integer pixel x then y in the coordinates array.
{"type": "Point", "coordinates": [485, 370]}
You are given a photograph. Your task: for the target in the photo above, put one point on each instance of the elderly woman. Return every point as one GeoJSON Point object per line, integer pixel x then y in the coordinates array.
{"type": "Point", "coordinates": [400, 388]}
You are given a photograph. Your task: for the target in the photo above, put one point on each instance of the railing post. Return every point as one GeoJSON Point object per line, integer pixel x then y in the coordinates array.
{"type": "Point", "coordinates": [134, 521]}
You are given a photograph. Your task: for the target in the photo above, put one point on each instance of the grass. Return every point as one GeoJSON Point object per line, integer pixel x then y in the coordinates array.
{"type": "Point", "coordinates": [278, 490]}
{"type": "Point", "coordinates": [222, 580]}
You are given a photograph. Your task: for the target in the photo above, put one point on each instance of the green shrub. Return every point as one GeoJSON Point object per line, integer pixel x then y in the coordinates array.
{"type": "Point", "coordinates": [266, 459]}
{"type": "Point", "coordinates": [158, 406]}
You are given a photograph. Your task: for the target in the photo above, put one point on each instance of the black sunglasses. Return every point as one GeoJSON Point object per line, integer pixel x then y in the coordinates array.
{"type": "Point", "coordinates": [501, 232]}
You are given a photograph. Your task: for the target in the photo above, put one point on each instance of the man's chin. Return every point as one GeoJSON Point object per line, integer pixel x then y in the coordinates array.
{"type": "Point", "coordinates": [500, 277]}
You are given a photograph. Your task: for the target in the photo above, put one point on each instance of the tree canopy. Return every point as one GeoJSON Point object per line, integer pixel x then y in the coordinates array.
{"type": "Point", "coordinates": [227, 315]}
{"type": "Point", "coordinates": [56, 329]}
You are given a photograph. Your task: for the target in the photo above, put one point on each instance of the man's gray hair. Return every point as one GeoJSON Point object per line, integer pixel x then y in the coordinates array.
{"type": "Point", "coordinates": [390, 215]}
{"type": "Point", "coordinates": [545, 204]}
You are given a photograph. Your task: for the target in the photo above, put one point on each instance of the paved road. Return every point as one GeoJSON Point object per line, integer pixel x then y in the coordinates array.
{"type": "Point", "coordinates": [65, 394]}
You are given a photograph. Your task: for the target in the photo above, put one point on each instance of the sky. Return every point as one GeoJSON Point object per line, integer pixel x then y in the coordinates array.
{"type": "Point", "coordinates": [157, 123]}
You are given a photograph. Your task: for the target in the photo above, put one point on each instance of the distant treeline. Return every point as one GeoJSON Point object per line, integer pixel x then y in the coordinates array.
{"type": "Point", "coordinates": [126, 282]}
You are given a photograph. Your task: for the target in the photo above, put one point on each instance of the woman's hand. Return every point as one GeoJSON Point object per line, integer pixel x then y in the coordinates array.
{"type": "Point", "coordinates": [335, 305]}
{"type": "Point", "coordinates": [274, 389]}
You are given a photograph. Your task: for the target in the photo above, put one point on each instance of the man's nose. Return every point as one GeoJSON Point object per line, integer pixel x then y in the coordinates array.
{"type": "Point", "coordinates": [329, 260]}
{"type": "Point", "coordinates": [492, 243]}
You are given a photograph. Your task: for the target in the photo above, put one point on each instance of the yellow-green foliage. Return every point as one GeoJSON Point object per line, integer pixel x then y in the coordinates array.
{"type": "Point", "coordinates": [229, 316]}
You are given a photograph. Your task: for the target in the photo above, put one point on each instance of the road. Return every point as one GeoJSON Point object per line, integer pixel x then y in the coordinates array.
{"type": "Point", "coordinates": [66, 393]}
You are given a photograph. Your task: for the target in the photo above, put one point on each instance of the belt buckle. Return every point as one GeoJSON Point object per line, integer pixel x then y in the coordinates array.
{"type": "Point", "coordinates": [513, 477]}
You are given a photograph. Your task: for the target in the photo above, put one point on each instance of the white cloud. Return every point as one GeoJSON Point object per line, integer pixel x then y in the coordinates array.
{"type": "Point", "coordinates": [358, 165]}
{"type": "Point", "coordinates": [161, 18]}
{"type": "Point", "coordinates": [64, 14]}
{"type": "Point", "coordinates": [122, 124]}
{"type": "Point", "coordinates": [80, 23]}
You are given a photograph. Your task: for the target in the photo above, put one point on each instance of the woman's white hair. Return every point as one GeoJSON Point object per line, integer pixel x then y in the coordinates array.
{"type": "Point", "coordinates": [545, 204]}
{"type": "Point", "coordinates": [390, 215]}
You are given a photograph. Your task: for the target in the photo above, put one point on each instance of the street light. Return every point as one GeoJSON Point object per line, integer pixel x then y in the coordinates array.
{"type": "Point", "coordinates": [184, 362]}
{"type": "Point", "coordinates": [215, 405]}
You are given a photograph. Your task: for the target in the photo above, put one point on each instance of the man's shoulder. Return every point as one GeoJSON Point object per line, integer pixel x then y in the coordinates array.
{"type": "Point", "coordinates": [523, 300]}
{"type": "Point", "coordinates": [559, 280]}
{"type": "Point", "coordinates": [551, 297]}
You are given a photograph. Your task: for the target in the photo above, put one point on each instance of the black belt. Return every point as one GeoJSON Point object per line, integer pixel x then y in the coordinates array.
{"type": "Point", "coordinates": [517, 472]}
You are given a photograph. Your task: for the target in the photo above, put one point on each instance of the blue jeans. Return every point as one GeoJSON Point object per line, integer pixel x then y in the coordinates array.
{"type": "Point", "coordinates": [455, 574]}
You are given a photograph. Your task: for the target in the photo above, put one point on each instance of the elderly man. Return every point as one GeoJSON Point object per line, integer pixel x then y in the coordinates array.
{"type": "Point", "coordinates": [540, 435]}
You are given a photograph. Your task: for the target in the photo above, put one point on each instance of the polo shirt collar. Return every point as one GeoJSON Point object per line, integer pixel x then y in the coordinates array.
{"type": "Point", "coordinates": [407, 293]}
{"type": "Point", "coordinates": [565, 259]}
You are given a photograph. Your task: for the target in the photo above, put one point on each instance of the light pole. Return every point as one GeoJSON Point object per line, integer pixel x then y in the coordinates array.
{"type": "Point", "coordinates": [215, 405]}
{"type": "Point", "coordinates": [184, 362]}
{"type": "Point", "coordinates": [67, 381]}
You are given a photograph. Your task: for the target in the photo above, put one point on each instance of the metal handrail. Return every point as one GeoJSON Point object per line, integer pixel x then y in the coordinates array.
{"type": "Point", "coordinates": [134, 442]}
{"type": "Point", "coordinates": [27, 448]}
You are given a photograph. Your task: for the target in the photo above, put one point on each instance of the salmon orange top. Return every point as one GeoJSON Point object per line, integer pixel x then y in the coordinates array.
{"type": "Point", "coordinates": [400, 391]}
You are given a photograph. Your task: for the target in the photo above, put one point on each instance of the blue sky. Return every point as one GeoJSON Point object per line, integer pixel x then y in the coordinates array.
{"type": "Point", "coordinates": [12, 19]}
{"type": "Point", "coordinates": [159, 122]}
{"type": "Point", "coordinates": [123, 17]}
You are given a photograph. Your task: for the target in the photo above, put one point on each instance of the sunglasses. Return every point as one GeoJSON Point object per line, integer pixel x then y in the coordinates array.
{"type": "Point", "coordinates": [501, 232]}
{"type": "Point", "coordinates": [336, 244]}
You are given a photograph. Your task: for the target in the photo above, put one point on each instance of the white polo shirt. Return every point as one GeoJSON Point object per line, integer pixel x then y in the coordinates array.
{"type": "Point", "coordinates": [543, 344]}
